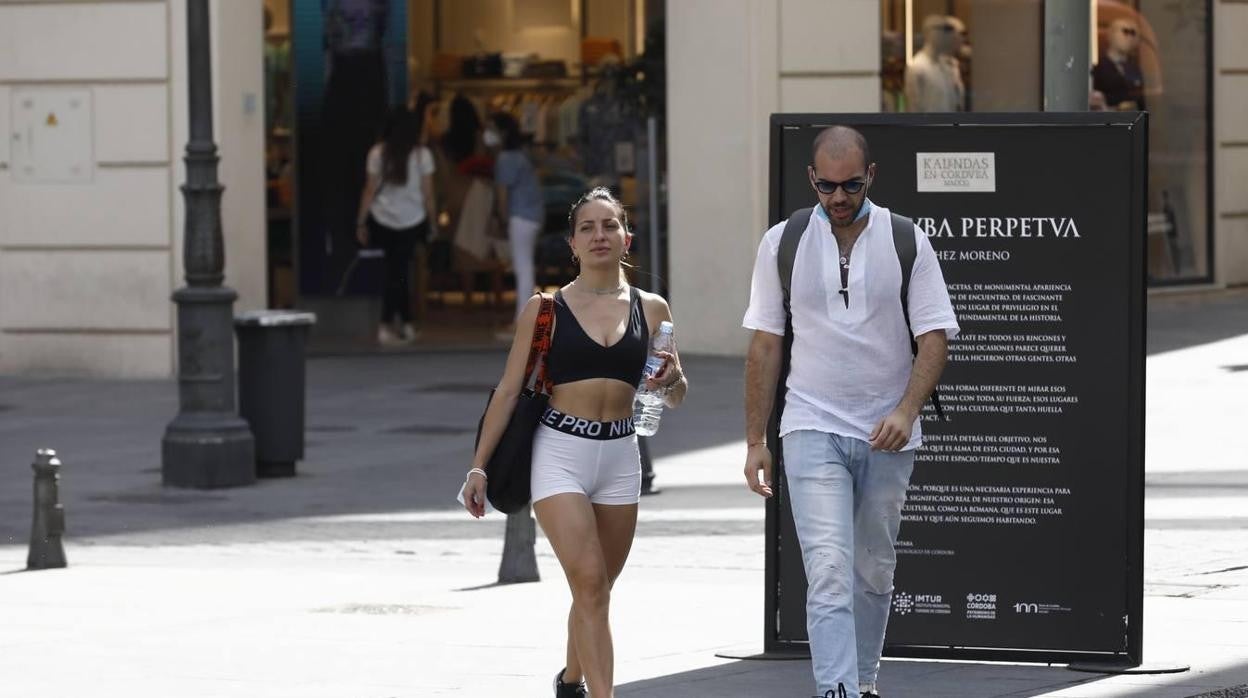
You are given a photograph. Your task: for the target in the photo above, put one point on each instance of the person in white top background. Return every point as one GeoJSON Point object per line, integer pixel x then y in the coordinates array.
{"type": "Point", "coordinates": [850, 422]}
{"type": "Point", "coordinates": [394, 214]}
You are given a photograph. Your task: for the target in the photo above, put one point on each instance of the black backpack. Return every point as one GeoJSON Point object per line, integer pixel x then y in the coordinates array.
{"type": "Point", "coordinates": [903, 240]}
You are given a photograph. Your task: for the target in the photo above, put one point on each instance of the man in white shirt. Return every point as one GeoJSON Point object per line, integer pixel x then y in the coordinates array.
{"type": "Point", "coordinates": [854, 392]}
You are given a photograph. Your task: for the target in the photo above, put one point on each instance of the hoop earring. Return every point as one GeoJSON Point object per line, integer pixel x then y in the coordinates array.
{"type": "Point", "coordinates": [576, 260]}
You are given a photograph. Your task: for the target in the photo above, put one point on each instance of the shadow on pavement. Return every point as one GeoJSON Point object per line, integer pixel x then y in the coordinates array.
{"type": "Point", "coordinates": [1183, 321]}
{"type": "Point", "coordinates": [387, 439]}
{"type": "Point", "coordinates": [898, 679]}
{"type": "Point", "coordinates": [902, 678]}
{"type": "Point", "coordinates": [386, 434]}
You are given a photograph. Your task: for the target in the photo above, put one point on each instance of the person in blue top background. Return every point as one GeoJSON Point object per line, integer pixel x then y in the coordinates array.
{"type": "Point", "coordinates": [517, 201]}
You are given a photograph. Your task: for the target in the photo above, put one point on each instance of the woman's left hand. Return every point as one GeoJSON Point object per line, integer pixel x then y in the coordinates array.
{"type": "Point", "coordinates": [670, 373]}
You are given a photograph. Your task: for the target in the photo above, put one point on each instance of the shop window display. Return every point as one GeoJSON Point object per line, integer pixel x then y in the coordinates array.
{"type": "Point", "coordinates": [579, 77]}
{"type": "Point", "coordinates": [988, 55]}
{"type": "Point", "coordinates": [279, 158]}
{"type": "Point", "coordinates": [962, 55]}
{"type": "Point", "coordinates": [1153, 55]}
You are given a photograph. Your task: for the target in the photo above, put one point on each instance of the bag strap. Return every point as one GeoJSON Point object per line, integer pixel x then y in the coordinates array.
{"type": "Point", "coordinates": [794, 228]}
{"type": "Point", "coordinates": [907, 251]}
{"type": "Point", "coordinates": [543, 331]}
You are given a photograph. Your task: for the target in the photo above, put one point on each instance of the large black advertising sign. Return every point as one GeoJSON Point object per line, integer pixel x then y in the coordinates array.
{"type": "Point", "coordinates": [1022, 535]}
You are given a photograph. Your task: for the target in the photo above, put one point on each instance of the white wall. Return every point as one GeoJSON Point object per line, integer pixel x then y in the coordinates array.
{"type": "Point", "coordinates": [84, 282]}
{"type": "Point", "coordinates": [86, 270]}
{"type": "Point", "coordinates": [730, 65]}
{"type": "Point", "coordinates": [1230, 142]}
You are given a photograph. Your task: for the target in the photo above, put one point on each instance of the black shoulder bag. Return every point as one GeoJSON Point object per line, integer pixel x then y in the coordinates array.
{"type": "Point", "coordinates": [509, 467]}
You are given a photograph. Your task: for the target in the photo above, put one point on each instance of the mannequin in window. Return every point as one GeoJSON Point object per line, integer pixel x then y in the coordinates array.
{"type": "Point", "coordinates": [933, 78]}
{"type": "Point", "coordinates": [1117, 75]}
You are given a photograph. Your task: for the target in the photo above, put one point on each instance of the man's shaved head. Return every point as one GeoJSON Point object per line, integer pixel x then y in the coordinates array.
{"type": "Point", "coordinates": [840, 142]}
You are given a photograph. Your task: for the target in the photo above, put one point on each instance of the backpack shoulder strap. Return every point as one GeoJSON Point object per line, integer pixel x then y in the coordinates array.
{"type": "Point", "coordinates": [794, 228]}
{"type": "Point", "coordinates": [907, 250]}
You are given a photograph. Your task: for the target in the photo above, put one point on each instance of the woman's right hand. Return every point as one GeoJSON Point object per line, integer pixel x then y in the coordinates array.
{"type": "Point", "coordinates": [474, 495]}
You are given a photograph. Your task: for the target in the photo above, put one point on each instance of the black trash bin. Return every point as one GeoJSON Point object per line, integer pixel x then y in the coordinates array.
{"type": "Point", "coordinates": [272, 345]}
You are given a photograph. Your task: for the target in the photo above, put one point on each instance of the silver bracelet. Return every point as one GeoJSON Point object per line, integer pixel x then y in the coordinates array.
{"type": "Point", "coordinates": [478, 471]}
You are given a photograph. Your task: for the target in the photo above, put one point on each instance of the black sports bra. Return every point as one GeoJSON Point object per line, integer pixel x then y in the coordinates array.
{"type": "Point", "coordinates": [575, 356]}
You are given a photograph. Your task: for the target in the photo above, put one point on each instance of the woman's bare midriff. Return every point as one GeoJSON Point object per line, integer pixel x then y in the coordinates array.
{"type": "Point", "coordinates": [599, 399]}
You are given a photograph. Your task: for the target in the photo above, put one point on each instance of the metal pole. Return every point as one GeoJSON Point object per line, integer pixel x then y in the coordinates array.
{"type": "Point", "coordinates": [656, 285]}
{"type": "Point", "coordinates": [652, 160]}
{"type": "Point", "coordinates": [46, 548]}
{"type": "Point", "coordinates": [1067, 59]}
{"type": "Point", "coordinates": [206, 445]}
{"type": "Point", "coordinates": [647, 466]}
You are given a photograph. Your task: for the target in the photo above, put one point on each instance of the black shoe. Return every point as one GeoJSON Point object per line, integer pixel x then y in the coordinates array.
{"type": "Point", "coordinates": [569, 690]}
{"type": "Point", "coordinates": [870, 694]}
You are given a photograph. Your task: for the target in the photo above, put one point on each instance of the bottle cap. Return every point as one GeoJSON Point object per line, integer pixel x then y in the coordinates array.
{"type": "Point", "coordinates": [665, 326]}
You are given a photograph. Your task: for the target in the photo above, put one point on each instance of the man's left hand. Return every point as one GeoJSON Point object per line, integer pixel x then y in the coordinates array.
{"type": "Point", "coordinates": [893, 433]}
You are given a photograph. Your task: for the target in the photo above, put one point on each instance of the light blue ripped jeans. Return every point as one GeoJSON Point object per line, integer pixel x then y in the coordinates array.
{"type": "Point", "coordinates": [847, 506]}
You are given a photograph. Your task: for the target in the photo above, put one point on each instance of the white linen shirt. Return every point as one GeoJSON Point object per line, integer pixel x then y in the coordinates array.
{"type": "Point", "coordinates": [849, 366]}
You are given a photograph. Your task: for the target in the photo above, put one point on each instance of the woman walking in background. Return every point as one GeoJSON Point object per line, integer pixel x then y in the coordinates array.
{"type": "Point", "coordinates": [586, 478]}
{"type": "Point", "coordinates": [517, 202]}
{"type": "Point", "coordinates": [396, 213]}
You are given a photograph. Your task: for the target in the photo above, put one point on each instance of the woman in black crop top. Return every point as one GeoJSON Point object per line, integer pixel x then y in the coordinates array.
{"type": "Point", "coordinates": [586, 471]}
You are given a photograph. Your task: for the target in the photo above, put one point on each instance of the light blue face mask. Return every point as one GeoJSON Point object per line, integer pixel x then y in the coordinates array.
{"type": "Point", "coordinates": [863, 211]}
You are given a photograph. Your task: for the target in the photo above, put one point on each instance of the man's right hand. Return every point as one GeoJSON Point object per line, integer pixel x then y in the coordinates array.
{"type": "Point", "coordinates": [758, 458]}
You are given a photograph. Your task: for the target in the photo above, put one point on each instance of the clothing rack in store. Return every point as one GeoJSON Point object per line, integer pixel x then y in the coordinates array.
{"type": "Point", "coordinates": [500, 84]}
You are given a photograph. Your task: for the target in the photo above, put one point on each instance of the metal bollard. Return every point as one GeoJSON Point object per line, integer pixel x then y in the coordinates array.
{"type": "Point", "coordinates": [46, 549]}
{"type": "Point", "coordinates": [519, 555]}
{"type": "Point", "coordinates": [647, 467]}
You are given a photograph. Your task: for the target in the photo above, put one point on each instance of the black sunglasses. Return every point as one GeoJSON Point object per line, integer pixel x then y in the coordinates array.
{"type": "Point", "coordinates": [828, 188]}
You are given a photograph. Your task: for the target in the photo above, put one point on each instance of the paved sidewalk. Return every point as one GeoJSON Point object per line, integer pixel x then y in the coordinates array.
{"type": "Point", "coordinates": [361, 577]}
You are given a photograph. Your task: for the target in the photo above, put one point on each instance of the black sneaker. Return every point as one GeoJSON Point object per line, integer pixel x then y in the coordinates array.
{"type": "Point", "coordinates": [870, 694]}
{"type": "Point", "coordinates": [569, 690]}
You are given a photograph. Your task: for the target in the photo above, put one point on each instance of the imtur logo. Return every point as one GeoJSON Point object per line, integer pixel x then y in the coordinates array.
{"type": "Point", "coordinates": [903, 603]}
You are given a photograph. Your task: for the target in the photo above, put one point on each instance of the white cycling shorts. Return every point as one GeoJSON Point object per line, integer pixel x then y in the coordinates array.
{"type": "Point", "coordinates": [597, 459]}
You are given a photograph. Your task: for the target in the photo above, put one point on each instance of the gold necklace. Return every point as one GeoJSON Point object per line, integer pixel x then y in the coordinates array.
{"type": "Point", "coordinates": [600, 291]}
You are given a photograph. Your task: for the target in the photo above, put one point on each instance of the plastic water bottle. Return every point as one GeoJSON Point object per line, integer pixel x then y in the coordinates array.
{"type": "Point", "coordinates": [648, 406]}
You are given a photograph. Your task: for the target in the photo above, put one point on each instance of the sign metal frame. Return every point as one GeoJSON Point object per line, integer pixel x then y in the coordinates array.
{"type": "Point", "coordinates": [775, 642]}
